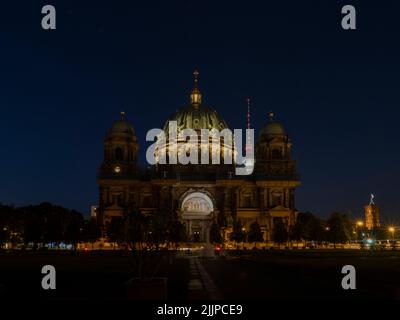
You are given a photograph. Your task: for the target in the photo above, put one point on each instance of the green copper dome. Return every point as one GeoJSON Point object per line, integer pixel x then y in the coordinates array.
{"type": "Point", "coordinates": [197, 118]}
{"type": "Point", "coordinates": [122, 126]}
{"type": "Point", "coordinates": [272, 128]}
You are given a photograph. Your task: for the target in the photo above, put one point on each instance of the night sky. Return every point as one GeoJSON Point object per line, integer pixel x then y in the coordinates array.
{"type": "Point", "coordinates": [335, 91]}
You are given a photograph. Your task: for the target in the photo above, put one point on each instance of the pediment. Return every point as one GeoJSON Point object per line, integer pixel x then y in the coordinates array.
{"type": "Point", "coordinates": [279, 208]}
{"type": "Point", "coordinates": [114, 207]}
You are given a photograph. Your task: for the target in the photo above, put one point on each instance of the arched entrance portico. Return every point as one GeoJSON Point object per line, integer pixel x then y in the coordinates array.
{"type": "Point", "coordinates": [196, 212]}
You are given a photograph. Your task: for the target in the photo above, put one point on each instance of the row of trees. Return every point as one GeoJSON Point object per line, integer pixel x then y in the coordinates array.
{"type": "Point", "coordinates": [45, 223]}
{"type": "Point", "coordinates": [137, 229]}
{"type": "Point", "coordinates": [338, 228]}
{"type": "Point", "coordinates": [48, 223]}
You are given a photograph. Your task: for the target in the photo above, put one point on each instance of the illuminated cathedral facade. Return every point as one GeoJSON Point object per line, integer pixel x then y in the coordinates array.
{"type": "Point", "coordinates": [203, 194]}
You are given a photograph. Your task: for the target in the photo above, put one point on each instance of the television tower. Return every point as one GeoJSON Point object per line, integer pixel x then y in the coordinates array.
{"type": "Point", "coordinates": [249, 163]}
{"type": "Point", "coordinates": [248, 144]}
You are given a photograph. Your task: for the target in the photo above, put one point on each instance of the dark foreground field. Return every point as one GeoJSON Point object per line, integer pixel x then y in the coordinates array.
{"type": "Point", "coordinates": [85, 275]}
{"type": "Point", "coordinates": [304, 275]}
{"type": "Point", "coordinates": [277, 275]}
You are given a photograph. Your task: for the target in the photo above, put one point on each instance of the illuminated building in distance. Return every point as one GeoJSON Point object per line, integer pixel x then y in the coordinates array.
{"type": "Point", "coordinates": [372, 213]}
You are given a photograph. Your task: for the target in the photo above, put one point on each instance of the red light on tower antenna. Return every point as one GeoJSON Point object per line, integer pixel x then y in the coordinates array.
{"type": "Point", "coordinates": [248, 112]}
{"type": "Point", "coordinates": [248, 144]}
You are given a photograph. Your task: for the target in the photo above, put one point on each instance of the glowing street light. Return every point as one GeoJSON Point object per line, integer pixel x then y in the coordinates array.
{"type": "Point", "coordinates": [391, 230]}
{"type": "Point", "coordinates": [359, 227]}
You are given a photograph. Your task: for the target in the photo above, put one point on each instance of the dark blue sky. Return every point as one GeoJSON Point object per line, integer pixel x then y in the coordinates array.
{"type": "Point", "coordinates": [335, 91]}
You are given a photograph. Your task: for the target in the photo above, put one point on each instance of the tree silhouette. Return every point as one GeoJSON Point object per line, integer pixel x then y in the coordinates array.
{"type": "Point", "coordinates": [33, 231]}
{"type": "Point", "coordinates": [42, 223]}
{"type": "Point", "coordinates": [4, 235]}
{"type": "Point", "coordinates": [238, 234]}
{"type": "Point", "coordinates": [116, 231]}
{"type": "Point", "coordinates": [73, 233]}
{"type": "Point", "coordinates": [255, 234]}
{"type": "Point", "coordinates": [279, 233]}
{"type": "Point", "coordinates": [177, 232]}
{"type": "Point", "coordinates": [53, 228]}
{"type": "Point", "coordinates": [307, 228]}
{"type": "Point", "coordinates": [91, 231]}
{"type": "Point", "coordinates": [137, 225]}
{"type": "Point", "coordinates": [340, 228]}
{"type": "Point", "coordinates": [158, 230]}
{"type": "Point", "coordinates": [215, 233]}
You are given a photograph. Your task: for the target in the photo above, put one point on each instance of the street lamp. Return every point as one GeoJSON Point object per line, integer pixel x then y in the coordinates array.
{"type": "Point", "coordinates": [359, 226]}
{"type": "Point", "coordinates": [391, 230]}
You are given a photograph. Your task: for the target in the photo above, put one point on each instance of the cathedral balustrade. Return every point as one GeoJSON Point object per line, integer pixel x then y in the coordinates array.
{"type": "Point", "coordinates": [277, 176]}
{"type": "Point", "coordinates": [197, 176]}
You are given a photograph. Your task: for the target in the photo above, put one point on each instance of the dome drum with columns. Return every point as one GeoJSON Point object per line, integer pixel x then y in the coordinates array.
{"type": "Point", "coordinates": [200, 195]}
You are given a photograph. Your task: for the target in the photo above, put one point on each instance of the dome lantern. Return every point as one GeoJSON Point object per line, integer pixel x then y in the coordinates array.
{"type": "Point", "coordinates": [122, 114]}
{"type": "Point", "coordinates": [195, 96]}
{"type": "Point", "coordinates": [271, 116]}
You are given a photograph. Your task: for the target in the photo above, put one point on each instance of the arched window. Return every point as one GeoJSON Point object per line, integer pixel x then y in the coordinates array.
{"type": "Point", "coordinates": [276, 154]}
{"type": "Point", "coordinates": [119, 154]}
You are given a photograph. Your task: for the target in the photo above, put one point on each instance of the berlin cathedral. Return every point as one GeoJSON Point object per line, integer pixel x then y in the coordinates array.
{"type": "Point", "coordinates": [200, 194]}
